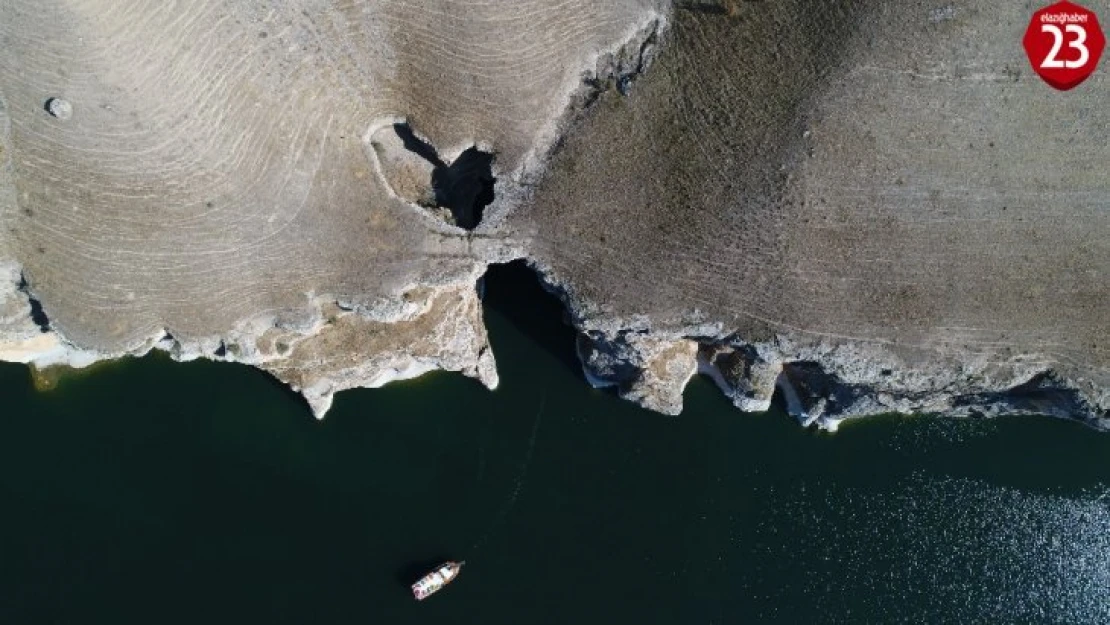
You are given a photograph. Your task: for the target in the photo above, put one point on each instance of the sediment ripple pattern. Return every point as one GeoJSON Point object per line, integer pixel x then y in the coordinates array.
{"type": "Point", "coordinates": [213, 168]}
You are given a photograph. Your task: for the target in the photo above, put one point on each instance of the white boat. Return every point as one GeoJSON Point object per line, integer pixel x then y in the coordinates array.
{"type": "Point", "coordinates": [432, 582]}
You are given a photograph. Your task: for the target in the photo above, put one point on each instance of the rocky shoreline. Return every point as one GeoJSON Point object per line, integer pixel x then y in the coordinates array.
{"type": "Point", "coordinates": [822, 383]}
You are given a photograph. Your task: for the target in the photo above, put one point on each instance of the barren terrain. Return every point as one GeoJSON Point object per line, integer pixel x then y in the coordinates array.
{"type": "Point", "coordinates": [872, 206]}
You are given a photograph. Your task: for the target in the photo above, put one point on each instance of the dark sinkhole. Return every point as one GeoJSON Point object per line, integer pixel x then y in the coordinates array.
{"type": "Point", "coordinates": [38, 315]}
{"type": "Point", "coordinates": [465, 187]}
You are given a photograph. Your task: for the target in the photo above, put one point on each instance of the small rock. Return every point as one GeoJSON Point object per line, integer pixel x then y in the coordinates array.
{"type": "Point", "coordinates": [59, 108]}
{"type": "Point", "coordinates": [942, 14]}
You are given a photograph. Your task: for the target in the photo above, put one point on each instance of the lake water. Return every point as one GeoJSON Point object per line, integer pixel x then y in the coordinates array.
{"type": "Point", "coordinates": [147, 491]}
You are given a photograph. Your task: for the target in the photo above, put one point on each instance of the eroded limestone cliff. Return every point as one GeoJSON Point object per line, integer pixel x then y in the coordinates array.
{"type": "Point", "coordinates": [872, 206]}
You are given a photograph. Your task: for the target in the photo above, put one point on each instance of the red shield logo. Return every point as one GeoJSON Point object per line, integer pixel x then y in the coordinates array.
{"type": "Point", "coordinates": [1064, 42]}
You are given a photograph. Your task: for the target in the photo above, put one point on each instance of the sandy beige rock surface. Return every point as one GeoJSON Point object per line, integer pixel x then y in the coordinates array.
{"type": "Point", "coordinates": [877, 199]}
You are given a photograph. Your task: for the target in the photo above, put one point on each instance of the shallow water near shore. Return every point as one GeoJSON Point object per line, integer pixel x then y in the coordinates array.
{"type": "Point", "coordinates": [150, 491]}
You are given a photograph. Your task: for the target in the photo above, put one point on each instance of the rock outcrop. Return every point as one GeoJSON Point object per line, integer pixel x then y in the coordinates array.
{"type": "Point", "coordinates": [647, 370]}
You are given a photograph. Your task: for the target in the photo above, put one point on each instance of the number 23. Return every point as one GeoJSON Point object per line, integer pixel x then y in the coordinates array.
{"type": "Point", "coordinates": [1050, 61]}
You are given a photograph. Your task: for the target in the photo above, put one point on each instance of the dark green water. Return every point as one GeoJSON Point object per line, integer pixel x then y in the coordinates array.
{"type": "Point", "coordinates": [156, 492]}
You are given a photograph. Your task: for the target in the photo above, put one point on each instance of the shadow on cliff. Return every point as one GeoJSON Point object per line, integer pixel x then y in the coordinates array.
{"type": "Point", "coordinates": [513, 290]}
{"type": "Point", "coordinates": [465, 186]}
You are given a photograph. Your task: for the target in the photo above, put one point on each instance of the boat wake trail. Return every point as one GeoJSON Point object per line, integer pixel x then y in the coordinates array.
{"type": "Point", "coordinates": [482, 452]}
{"type": "Point", "coordinates": [518, 482]}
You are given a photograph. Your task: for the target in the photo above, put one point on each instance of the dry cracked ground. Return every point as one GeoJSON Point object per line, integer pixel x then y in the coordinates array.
{"type": "Point", "coordinates": [870, 206]}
